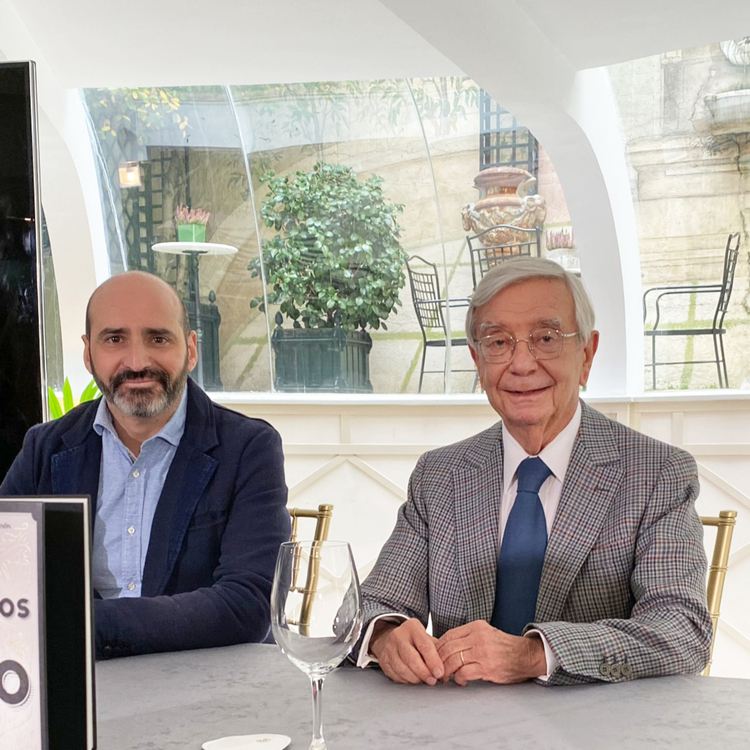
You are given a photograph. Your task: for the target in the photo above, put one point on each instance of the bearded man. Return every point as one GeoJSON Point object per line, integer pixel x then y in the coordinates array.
{"type": "Point", "coordinates": [190, 498]}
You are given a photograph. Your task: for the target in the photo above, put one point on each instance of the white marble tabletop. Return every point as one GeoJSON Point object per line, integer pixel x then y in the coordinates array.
{"type": "Point", "coordinates": [199, 248]}
{"type": "Point", "coordinates": [180, 700]}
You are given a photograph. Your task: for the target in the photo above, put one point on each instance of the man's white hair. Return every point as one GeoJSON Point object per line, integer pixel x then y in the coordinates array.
{"type": "Point", "coordinates": [517, 270]}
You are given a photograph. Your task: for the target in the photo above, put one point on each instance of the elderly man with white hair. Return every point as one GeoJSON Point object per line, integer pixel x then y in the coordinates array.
{"type": "Point", "coordinates": [557, 545]}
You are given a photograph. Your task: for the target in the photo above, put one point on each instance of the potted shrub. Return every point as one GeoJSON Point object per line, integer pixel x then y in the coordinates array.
{"type": "Point", "coordinates": [334, 267]}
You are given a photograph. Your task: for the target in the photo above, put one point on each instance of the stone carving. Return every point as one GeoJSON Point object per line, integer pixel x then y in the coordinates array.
{"type": "Point", "coordinates": [728, 112]}
{"type": "Point", "coordinates": [504, 199]}
{"type": "Point", "coordinates": [737, 51]}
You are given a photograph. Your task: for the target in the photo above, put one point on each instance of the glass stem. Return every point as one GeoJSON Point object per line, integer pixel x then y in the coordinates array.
{"type": "Point", "coordinates": [318, 743]}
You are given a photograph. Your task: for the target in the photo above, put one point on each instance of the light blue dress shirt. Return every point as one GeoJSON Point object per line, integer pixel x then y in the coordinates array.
{"type": "Point", "coordinates": [129, 490]}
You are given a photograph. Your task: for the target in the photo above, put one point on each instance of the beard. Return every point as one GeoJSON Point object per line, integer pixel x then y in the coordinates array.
{"type": "Point", "coordinates": [143, 402]}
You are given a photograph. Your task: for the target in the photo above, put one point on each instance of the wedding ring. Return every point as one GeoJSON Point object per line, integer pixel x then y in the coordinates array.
{"type": "Point", "coordinates": [463, 663]}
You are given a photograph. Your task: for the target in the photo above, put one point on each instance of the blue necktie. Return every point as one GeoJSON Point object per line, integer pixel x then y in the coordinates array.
{"type": "Point", "coordinates": [519, 566]}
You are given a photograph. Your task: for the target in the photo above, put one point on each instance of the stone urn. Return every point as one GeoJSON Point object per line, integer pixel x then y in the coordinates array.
{"type": "Point", "coordinates": [504, 199]}
{"type": "Point", "coordinates": [728, 112]}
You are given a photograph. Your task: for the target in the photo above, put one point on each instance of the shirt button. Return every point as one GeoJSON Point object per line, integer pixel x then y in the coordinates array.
{"type": "Point", "coordinates": [131, 530]}
{"type": "Point", "coordinates": [131, 586]}
{"type": "Point", "coordinates": [136, 473]}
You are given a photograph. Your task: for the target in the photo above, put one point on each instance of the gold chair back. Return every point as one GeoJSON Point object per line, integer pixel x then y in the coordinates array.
{"type": "Point", "coordinates": [323, 521]}
{"type": "Point", "coordinates": [323, 515]}
{"type": "Point", "coordinates": [717, 571]}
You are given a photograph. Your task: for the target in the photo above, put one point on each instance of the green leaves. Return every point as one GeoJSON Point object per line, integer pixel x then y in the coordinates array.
{"type": "Point", "coordinates": [56, 409]}
{"type": "Point", "coordinates": [336, 250]}
{"type": "Point", "coordinates": [68, 403]}
{"type": "Point", "coordinates": [90, 392]}
{"type": "Point", "coordinates": [152, 108]}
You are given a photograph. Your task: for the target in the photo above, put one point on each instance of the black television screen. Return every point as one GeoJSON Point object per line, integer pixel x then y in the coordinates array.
{"type": "Point", "coordinates": [20, 360]}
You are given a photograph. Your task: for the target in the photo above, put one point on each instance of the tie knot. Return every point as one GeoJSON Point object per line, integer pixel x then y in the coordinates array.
{"type": "Point", "coordinates": [531, 474]}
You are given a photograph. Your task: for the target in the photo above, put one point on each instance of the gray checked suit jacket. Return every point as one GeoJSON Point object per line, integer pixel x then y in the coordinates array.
{"type": "Point", "coordinates": [625, 568]}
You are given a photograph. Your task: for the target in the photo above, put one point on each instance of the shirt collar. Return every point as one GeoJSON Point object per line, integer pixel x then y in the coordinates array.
{"type": "Point", "coordinates": [556, 455]}
{"type": "Point", "coordinates": [171, 432]}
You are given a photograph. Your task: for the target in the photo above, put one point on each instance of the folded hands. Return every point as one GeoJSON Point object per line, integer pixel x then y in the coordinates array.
{"type": "Point", "coordinates": [476, 651]}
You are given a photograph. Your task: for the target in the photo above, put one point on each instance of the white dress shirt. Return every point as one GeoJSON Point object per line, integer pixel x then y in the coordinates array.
{"type": "Point", "coordinates": [557, 457]}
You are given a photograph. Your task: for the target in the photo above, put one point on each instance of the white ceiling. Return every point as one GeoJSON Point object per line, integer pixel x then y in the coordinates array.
{"type": "Point", "coordinates": [163, 42]}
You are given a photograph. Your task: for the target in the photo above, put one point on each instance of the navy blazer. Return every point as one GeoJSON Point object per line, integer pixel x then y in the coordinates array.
{"type": "Point", "coordinates": [215, 535]}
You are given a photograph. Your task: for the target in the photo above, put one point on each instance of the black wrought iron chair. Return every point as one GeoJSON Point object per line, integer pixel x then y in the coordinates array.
{"type": "Point", "coordinates": [514, 242]}
{"type": "Point", "coordinates": [429, 307]}
{"type": "Point", "coordinates": [723, 290]}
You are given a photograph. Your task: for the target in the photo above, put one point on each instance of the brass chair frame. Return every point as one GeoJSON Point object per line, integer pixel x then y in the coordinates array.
{"type": "Point", "coordinates": [323, 516]}
{"type": "Point", "coordinates": [717, 571]}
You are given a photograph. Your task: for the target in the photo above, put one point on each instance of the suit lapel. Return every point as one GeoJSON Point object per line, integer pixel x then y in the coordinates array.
{"type": "Point", "coordinates": [477, 491]}
{"type": "Point", "coordinates": [591, 482]}
{"type": "Point", "coordinates": [75, 470]}
{"type": "Point", "coordinates": [187, 478]}
{"type": "Point", "coordinates": [186, 481]}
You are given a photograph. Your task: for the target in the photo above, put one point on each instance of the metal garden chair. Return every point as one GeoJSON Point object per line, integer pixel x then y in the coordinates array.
{"type": "Point", "coordinates": [429, 307]}
{"type": "Point", "coordinates": [516, 242]}
{"type": "Point", "coordinates": [716, 330]}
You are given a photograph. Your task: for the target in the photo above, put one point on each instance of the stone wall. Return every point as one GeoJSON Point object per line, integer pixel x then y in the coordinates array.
{"type": "Point", "coordinates": [690, 190]}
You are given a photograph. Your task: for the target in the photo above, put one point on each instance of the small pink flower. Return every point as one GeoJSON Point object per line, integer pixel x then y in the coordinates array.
{"type": "Point", "coordinates": [185, 215]}
{"type": "Point", "coordinates": [562, 239]}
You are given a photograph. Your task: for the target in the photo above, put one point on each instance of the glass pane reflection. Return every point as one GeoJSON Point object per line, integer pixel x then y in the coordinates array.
{"type": "Point", "coordinates": [214, 148]}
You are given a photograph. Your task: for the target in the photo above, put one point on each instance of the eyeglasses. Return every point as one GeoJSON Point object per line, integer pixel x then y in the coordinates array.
{"type": "Point", "coordinates": [546, 343]}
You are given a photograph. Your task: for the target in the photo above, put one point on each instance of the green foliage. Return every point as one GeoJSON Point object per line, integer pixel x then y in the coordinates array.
{"type": "Point", "coordinates": [56, 409]}
{"type": "Point", "coordinates": [117, 109]}
{"type": "Point", "coordinates": [443, 101]}
{"type": "Point", "coordinates": [316, 111]}
{"type": "Point", "coordinates": [311, 110]}
{"type": "Point", "coordinates": [336, 251]}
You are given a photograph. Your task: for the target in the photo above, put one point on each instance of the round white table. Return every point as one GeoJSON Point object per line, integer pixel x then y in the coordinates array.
{"type": "Point", "coordinates": [194, 250]}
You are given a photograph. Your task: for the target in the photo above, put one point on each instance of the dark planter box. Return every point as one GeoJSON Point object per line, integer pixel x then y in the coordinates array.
{"type": "Point", "coordinates": [321, 360]}
{"type": "Point", "coordinates": [210, 322]}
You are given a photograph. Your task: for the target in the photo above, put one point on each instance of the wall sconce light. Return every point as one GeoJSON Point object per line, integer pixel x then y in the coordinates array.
{"type": "Point", "coordinates": [130, 174]}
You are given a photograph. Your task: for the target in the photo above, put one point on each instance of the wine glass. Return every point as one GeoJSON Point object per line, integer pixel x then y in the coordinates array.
{"type": "Point", "coordinates": [316, 616]}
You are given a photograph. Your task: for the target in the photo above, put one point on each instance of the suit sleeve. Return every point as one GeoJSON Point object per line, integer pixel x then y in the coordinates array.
{"type": "Point", "coordinates": [236, 608]}
{"type": "Point", "coordinates": [669, 629]}
{"type": "Point", "coordinates": [20, 479]}
{"type": "Point", "coordinates": [399, 581]}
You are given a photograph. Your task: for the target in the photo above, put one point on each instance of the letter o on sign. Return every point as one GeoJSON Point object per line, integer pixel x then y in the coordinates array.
{"type": "Point", "coordinates": [20, 695]}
